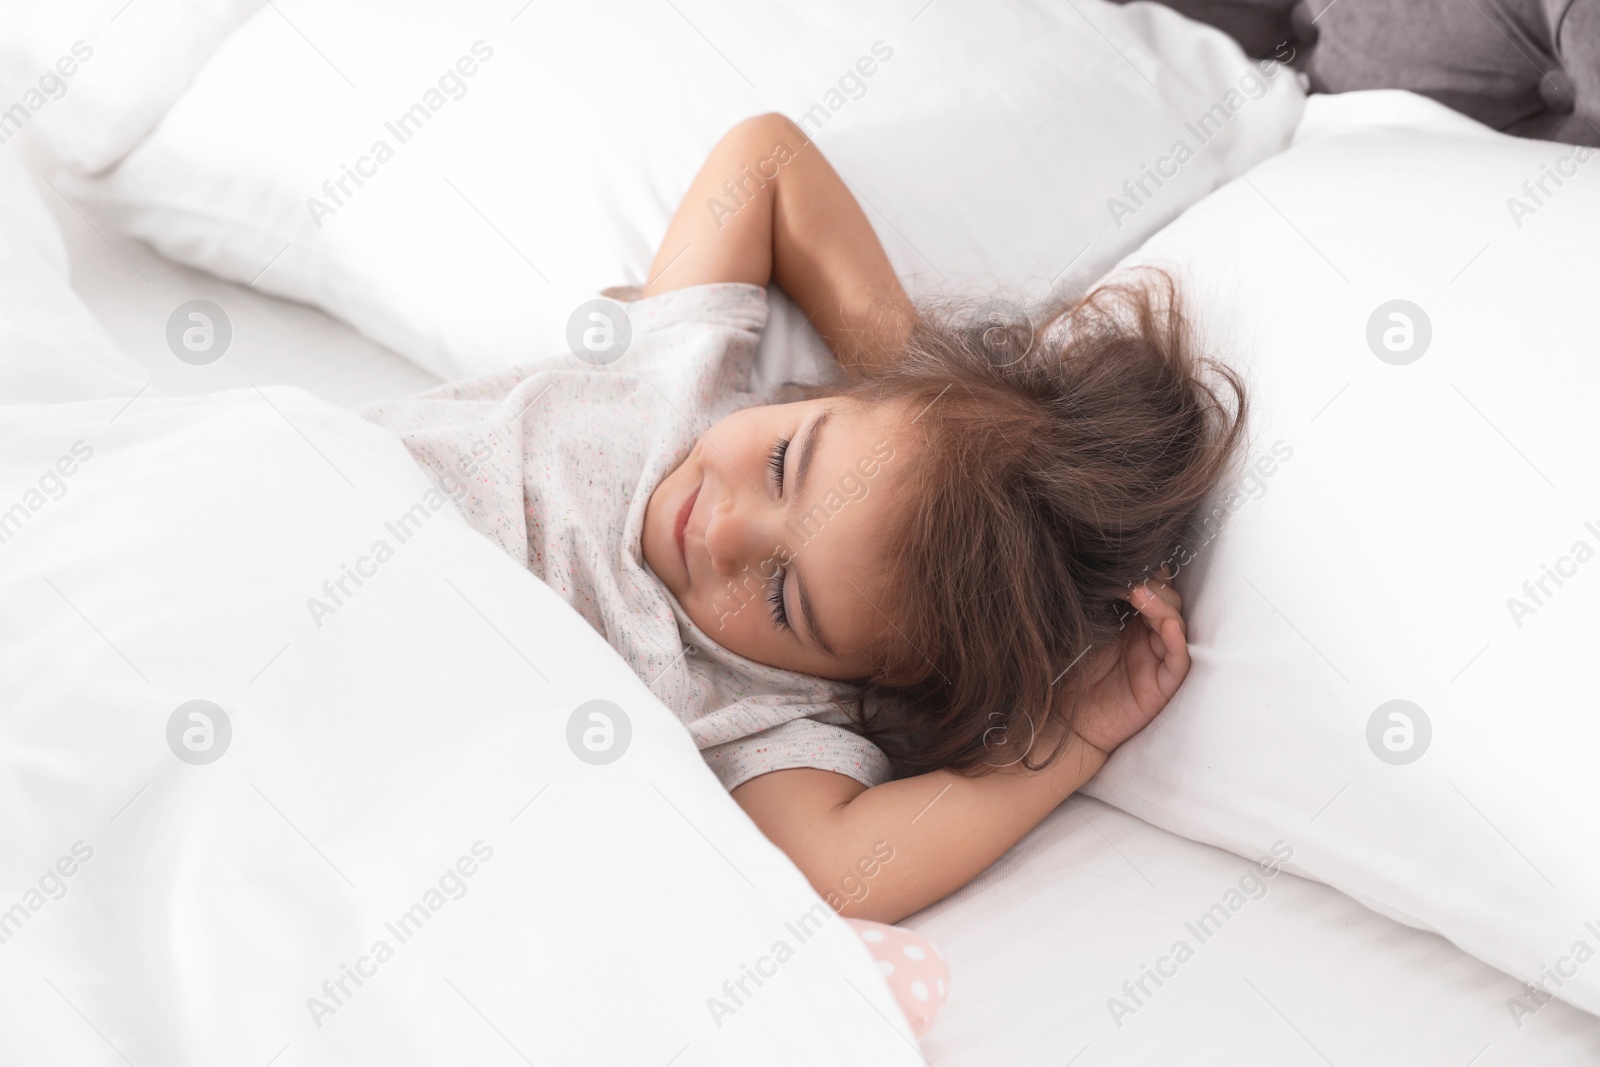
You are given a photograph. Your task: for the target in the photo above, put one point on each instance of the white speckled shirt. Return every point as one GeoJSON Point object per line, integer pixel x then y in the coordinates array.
{"type": "Point", "coordinates": [558, 459]}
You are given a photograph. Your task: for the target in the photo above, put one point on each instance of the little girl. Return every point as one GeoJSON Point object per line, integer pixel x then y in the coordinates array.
{"type": "Point", "coordinates": [891, 613]}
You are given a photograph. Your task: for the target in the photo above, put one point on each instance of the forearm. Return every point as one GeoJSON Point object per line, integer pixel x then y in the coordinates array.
{"type": "Point", "coordinates": [767, 206]}
{"type": "Point", "coordinates": [941, 829]}
{"type": "Point", "coordinates": [829, 260]}
{"type": "Point", "coordinates": [718, 233]}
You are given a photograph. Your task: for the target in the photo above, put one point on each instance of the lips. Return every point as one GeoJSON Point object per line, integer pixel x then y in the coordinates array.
{"type": "Point", "coordinates": [682, 523]}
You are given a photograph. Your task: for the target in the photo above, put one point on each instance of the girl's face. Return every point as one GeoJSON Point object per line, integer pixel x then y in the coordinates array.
{"type": "Point", "coordinates": [768, 532]}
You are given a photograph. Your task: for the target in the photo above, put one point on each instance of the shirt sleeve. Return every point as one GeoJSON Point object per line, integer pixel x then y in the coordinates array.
{"type": "Point", "coordinates": [734, 305]}
{"type": "Point", "coordinates": [800, 742]}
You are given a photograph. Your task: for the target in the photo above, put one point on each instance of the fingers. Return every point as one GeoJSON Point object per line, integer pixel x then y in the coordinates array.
{"type": "Point", "coordinates": [1159, 605]}
{"type": "Point", "coordinates": [1159, 583]}
{"type": "Point", "coordinates": [1163, 587]}
{"type": "Point", "coordinates": [1174, 657]}
{"type": "Point", "coordinates": [1156, 599]}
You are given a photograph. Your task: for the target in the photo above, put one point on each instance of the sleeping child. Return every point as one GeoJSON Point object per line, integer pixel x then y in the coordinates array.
{"type": "Point", "coordinates": [915, 608]}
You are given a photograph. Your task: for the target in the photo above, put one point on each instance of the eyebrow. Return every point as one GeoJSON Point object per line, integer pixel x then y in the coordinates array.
{"type": "Point", "coordinates": [808, 449]}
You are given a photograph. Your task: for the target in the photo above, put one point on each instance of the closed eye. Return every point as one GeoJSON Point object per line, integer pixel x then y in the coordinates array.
{"type": "Point", "coordinates": [775, 458]}
{"type": "Point", "coordinates": [780, 614]}
{"type": "Point", "coordinates": [775, 464]}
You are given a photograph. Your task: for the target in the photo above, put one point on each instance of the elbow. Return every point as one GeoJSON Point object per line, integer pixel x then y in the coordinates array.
{"type": "Point", "coordinates": [855, 886]}
{"type": "Point", "coordinates": [769, 130]}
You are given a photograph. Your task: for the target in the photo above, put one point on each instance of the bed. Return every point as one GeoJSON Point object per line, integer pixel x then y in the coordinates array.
{"type": "Point", "coordinates": [1060, 953]}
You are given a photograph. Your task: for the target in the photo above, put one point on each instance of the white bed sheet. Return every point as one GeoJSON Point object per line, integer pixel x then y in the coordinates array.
{"type": "Point", "coordinates": [1305, 975]}
{"type": "Point", "coordinates": [1040, 942]}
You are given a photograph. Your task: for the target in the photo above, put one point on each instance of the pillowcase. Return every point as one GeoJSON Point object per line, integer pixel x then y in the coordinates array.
{"type": "Point", "coordinates": [51, 346]}
{"type": "Point", "coordinates": [455, 181]}
{"type": "Point", "coordinates": [1392, 607]}
{"type": "Point", "coordinates": [92, 77]}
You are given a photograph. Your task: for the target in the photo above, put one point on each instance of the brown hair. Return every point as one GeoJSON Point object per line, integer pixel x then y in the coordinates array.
{"type": "Point", "coordinates": [1059, 458]}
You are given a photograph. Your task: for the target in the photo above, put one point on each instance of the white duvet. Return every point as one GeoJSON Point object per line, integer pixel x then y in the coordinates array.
{"type": "Point", "coordinates": [386, 847]}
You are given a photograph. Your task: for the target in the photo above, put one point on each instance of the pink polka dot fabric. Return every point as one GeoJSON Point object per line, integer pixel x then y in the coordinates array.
{"type": "Point", "coordinates": [916, 973]}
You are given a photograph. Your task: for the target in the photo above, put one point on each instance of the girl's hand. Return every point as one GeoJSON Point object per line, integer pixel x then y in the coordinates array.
{"type": "Point", "coordinates": [943, 829]}
{"type": "Point", "coordinates": [1131, 688]}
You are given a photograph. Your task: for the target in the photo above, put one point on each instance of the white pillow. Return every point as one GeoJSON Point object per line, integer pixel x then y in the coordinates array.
{"type": "Point", "coordinates": [409, 769]}
{"type": "Point", "coordinates": [51, 347]}
{"type": "Point", "coordinates": [987, 151]}
{"type": "Point", "coordinates": [1409, 475]}
{"type": "Point", "coordinates": [91, 77]}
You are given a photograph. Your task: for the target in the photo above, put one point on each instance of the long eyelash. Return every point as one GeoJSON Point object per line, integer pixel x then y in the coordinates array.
{"type": "Point", "coordinates": [780, 449]}
{"type": "Point", "coordinates": [780, 615]}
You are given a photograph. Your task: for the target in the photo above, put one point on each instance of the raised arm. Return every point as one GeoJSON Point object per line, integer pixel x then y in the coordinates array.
{"type": "Point", "coordinates": [766, 206]}
{"type": "Point", "coordinates": [942, 829]}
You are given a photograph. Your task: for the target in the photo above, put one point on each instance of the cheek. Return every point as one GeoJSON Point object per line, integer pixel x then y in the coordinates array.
{"type": "Point", "coordinates": [656, 537]}
{"type": "Point", "coordinates": [725, 613]}
{"type": "Point", "coordinates": [738, 617]}
{"type": "Point", "coordinates": [732, 440]}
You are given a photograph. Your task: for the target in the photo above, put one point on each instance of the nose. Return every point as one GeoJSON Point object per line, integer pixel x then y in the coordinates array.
{"type": "Point", "coordinates": [741, 533]}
